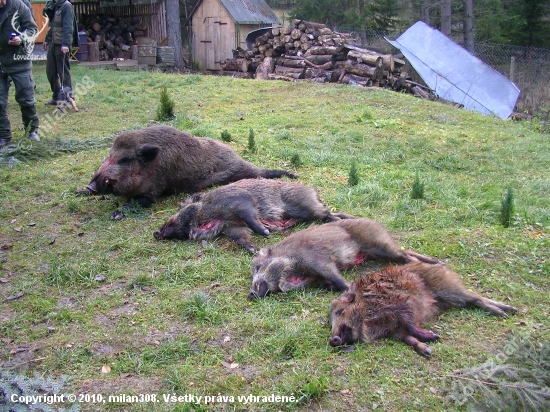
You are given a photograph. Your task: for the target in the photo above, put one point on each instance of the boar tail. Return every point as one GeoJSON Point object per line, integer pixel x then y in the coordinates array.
{"type": "Point", "coordinates": [275, 174]}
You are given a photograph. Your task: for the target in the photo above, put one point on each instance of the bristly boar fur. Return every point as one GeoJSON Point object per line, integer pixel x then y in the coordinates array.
{"type": "Point", "coordinates": [261, 205]}
{"type": "Point", "coordinates": [398, 300]}
{"type": "Point", "coordinates": [317, 254]}
{"type": "Point", "coordinates": [161, 160]}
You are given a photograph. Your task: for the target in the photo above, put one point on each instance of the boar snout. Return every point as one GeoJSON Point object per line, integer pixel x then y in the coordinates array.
{"type": "Point", "coordinates": [100, 185]}
{"type": "Point", "coordinates": [259, 290]}
{"type": "Point", "coordinates": [158, 234]}
{"type": "Point", "coordinates": [343, 336]}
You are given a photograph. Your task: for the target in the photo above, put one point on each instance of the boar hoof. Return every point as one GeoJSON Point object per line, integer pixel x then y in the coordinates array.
{"type": "Point", "coordinates": [117, 215]}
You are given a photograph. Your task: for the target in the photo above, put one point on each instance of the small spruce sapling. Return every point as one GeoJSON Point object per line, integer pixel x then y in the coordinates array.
{"type": "Point", "coordinates": [165, 111]}
{"type": "Point", "coordinates": [296, 161]}
{"type": "Point", "coordinates": [507, 209]}
{"type": "Point", "coordinates": [251, 141]}
{"type": "Point", "coordinates": [353, 178]}
{"type": "Point", "coordinates": [226, 136]}
{"type": "Point", "coordinates": [417, 191]}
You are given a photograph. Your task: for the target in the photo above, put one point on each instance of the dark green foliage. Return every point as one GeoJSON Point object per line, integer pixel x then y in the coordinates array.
{"type": "Point", "coordinates": [507, 208]}
{"type": "Point", "coordinates": [251, 141]}
{"type": "Point", "coordinates": [516, 379]}
{"type": "Point", "coordinates": [226, 136]}
{"type": "Point", "coordinates": [19, 385]}
{"type": "Point", "coordinates": [165, 111]}
{"type": "Point", "coordinates": [417, 191]}
{"type": "Point", "coordinates": [353, 178]}
{"type": "Point", "coordinates": [296, 161]}
{"type": "Point", "coordinates": [376, 14]}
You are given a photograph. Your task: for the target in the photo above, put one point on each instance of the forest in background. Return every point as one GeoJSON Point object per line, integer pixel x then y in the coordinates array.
{"type": "Point", "coordinates": [523, 23]}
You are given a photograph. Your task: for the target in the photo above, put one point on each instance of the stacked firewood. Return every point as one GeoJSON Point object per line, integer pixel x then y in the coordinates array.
{"type": "Point", "coordinates": [308, 51]}
{"type": "Point", "coordinates": [114, 36]}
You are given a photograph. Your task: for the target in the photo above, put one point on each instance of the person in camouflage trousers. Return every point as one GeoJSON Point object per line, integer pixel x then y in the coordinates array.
{"type": "Point", "coordinates": [17, 28]}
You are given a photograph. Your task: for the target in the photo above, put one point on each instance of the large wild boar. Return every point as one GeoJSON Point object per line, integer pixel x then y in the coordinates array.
{"type": "Point", "coordinates": [161, 160]}
{"type": "Point", "coordinates": [396, 301]}
{"type": "Point", "coordinates": [317, 254]}
{"type": "Point", "coordinates": [261, 205]}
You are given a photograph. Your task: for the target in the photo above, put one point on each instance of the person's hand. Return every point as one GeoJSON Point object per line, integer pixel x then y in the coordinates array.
{"type": "Point", "coordinates": [64, 49]}
{"type": "Point", "coordinates": [45, 45]}
{"type": "Point", "coordinates": [15, 41]}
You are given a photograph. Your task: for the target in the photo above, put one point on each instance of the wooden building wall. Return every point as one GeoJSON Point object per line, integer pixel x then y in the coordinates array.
{"type": "Point", "coordinates": [213, 35]}
{"type": "Point", "coordinates": [41, 21]}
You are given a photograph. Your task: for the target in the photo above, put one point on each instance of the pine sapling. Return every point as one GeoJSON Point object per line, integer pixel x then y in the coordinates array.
{"type": "Point", "coordinates": [296, 161]}
{"type": "Point", "coordinates": [226, 136]}
{"type": "Point", "coordinates": [165, 111]}
{"type": "Point", "coordinates": [507, 208]}
{"type": "Point", "coordinates": [353, 179]}
{"type": "Point", "coordinates": [251, 141]}
{"type": "Point", "coordinates": [417, 191]}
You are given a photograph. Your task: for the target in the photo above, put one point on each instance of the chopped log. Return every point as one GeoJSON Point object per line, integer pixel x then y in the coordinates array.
{"type": "Point", "coordinates": [295, 73]}
{"type": "Point", "coordinates": [356, 80]}
{"type": "Point", "coordinates": [265, 69]}
{"type": "Point", "coordinates": [134, 52]}
{"type": "Point", "coordinates": [278, 77]}
{"type": "Point", "coordinates": [96, 26]}
{"type": "Point", "coordinates": [296, 63]}
{"type": "Point", "coordinates": [296, 34]}
{"type": "Point", "coordinates": [93, 52]}
{"type": "Point", "coordinates": [360, 69]}
{"type": "Point", "coordinates": [313, 73]}
{"type": "Point", "coordinates": [235, 65]}
{"type": "Point", "coordinates": [285, 30]}
{"type": "Point", "coordinates": [320, 59]}
{"type": "Point", "coordinates": [323, 50]}
{"type": "Point", "coordinates": [276, 31]}
{"type": "Point", "coordinates": [370, 59]}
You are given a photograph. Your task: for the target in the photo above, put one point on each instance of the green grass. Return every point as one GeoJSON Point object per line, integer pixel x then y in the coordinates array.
{"type": "Point", "coordinates": [174, 318]}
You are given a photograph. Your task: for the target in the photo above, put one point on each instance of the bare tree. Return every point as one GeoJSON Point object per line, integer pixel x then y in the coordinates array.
{"type": "Point", "coordinates": [469, 25]}
{"type": "Point", "coordinates": [425, 12]}
{"type": "Point", "coordinates": [173, 29]}
{"type": "Point", "coordinates": [446, 17]}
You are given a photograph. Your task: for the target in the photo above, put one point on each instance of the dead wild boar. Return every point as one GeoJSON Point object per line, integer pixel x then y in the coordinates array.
{"type": "Point", "coordinates": [161, 160]}
{"type": "Point", "coordinates": [396, 301]}
{"type": "Point", "coordinates": [233, 210]}
{"type": "Point", "coordinates": [317, 254]}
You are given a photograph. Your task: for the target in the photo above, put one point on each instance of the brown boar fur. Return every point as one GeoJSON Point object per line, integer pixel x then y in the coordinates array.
{"type": "Point", "coordinates": [161, 160]}
{"type": "Point", "coordinates": [317, 254]}
{"type": "Point", "coordinates": [398, 300]}
{"type": "Point", "coordinates": [261, 205]}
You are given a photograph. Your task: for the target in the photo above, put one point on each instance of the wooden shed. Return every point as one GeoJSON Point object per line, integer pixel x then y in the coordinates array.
{"type": "Point", "coordinates": [218, 27]}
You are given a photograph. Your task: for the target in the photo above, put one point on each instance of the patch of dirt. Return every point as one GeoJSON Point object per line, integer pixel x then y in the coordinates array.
{"type": "Point", "coordinates": [125, 383]}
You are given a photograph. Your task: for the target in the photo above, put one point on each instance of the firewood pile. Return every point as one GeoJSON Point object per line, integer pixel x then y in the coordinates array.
{"type": "Point", "coordinates": [308, 51]}
{"type": "Point", "coordinates": [114, 36]}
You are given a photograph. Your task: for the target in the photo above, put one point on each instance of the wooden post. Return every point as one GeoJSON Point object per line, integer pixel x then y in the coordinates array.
{"type": "Point", "coordinates": [512, 68]}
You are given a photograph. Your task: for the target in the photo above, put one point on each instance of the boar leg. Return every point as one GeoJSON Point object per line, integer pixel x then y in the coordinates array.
{"type": "Point", "coordinates": [413, 256]}
{"type": "Point", "coordinates": [249, 217]}
{"type": "Point", "coordinates": [422, 335]}
{"type": "Point", "coordinates": [241, 235]}
{"type": "Point", "coordinates": [491, 306]}
{"type": "Point", "coordinates": [419, 347]}
{"type": "Point", "coordinates": [329, 272]}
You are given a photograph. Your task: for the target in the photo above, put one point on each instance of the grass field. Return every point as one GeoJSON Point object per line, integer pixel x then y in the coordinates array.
{"type": "Point", "coordinates": [81, 295]}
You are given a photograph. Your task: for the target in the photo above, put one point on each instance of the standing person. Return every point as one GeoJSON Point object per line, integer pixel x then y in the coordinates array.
{"type": "Point", "coordinates": [16, 22]}
{"type": "Point", "coordinates": [58, 42]}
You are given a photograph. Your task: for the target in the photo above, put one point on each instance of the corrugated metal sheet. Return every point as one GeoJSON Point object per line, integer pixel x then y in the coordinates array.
{"type": "Point", "coordinates": [455, 74]}
{"type": "Point", "coordinates": [250, 12]}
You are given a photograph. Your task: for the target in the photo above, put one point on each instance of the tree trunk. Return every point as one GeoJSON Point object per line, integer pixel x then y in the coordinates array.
{"type": "Point", "coordinates": [93, 52]}
{"type": "Point", "coordinates": [469, 25]}
{"type": "Point", "coordinates": [173, 30]}
{"type": "Point", "coordinates": [425, 11]}
{"type": "Point", "coordinates": [446, 17]}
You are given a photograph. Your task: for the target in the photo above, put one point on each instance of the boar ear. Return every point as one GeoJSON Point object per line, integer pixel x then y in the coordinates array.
{"type": "Point", "coordinates": [147, 152]}
{"type": "Point", "coordinates": [347, 297]}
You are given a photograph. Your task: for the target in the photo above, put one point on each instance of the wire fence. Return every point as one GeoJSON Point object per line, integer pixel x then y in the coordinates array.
{"type": "Point", "coordinates": [527, 67]}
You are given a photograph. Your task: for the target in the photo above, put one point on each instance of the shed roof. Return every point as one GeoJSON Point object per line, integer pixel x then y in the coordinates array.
{"type": "Point", "coordinates": [248, 11]}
